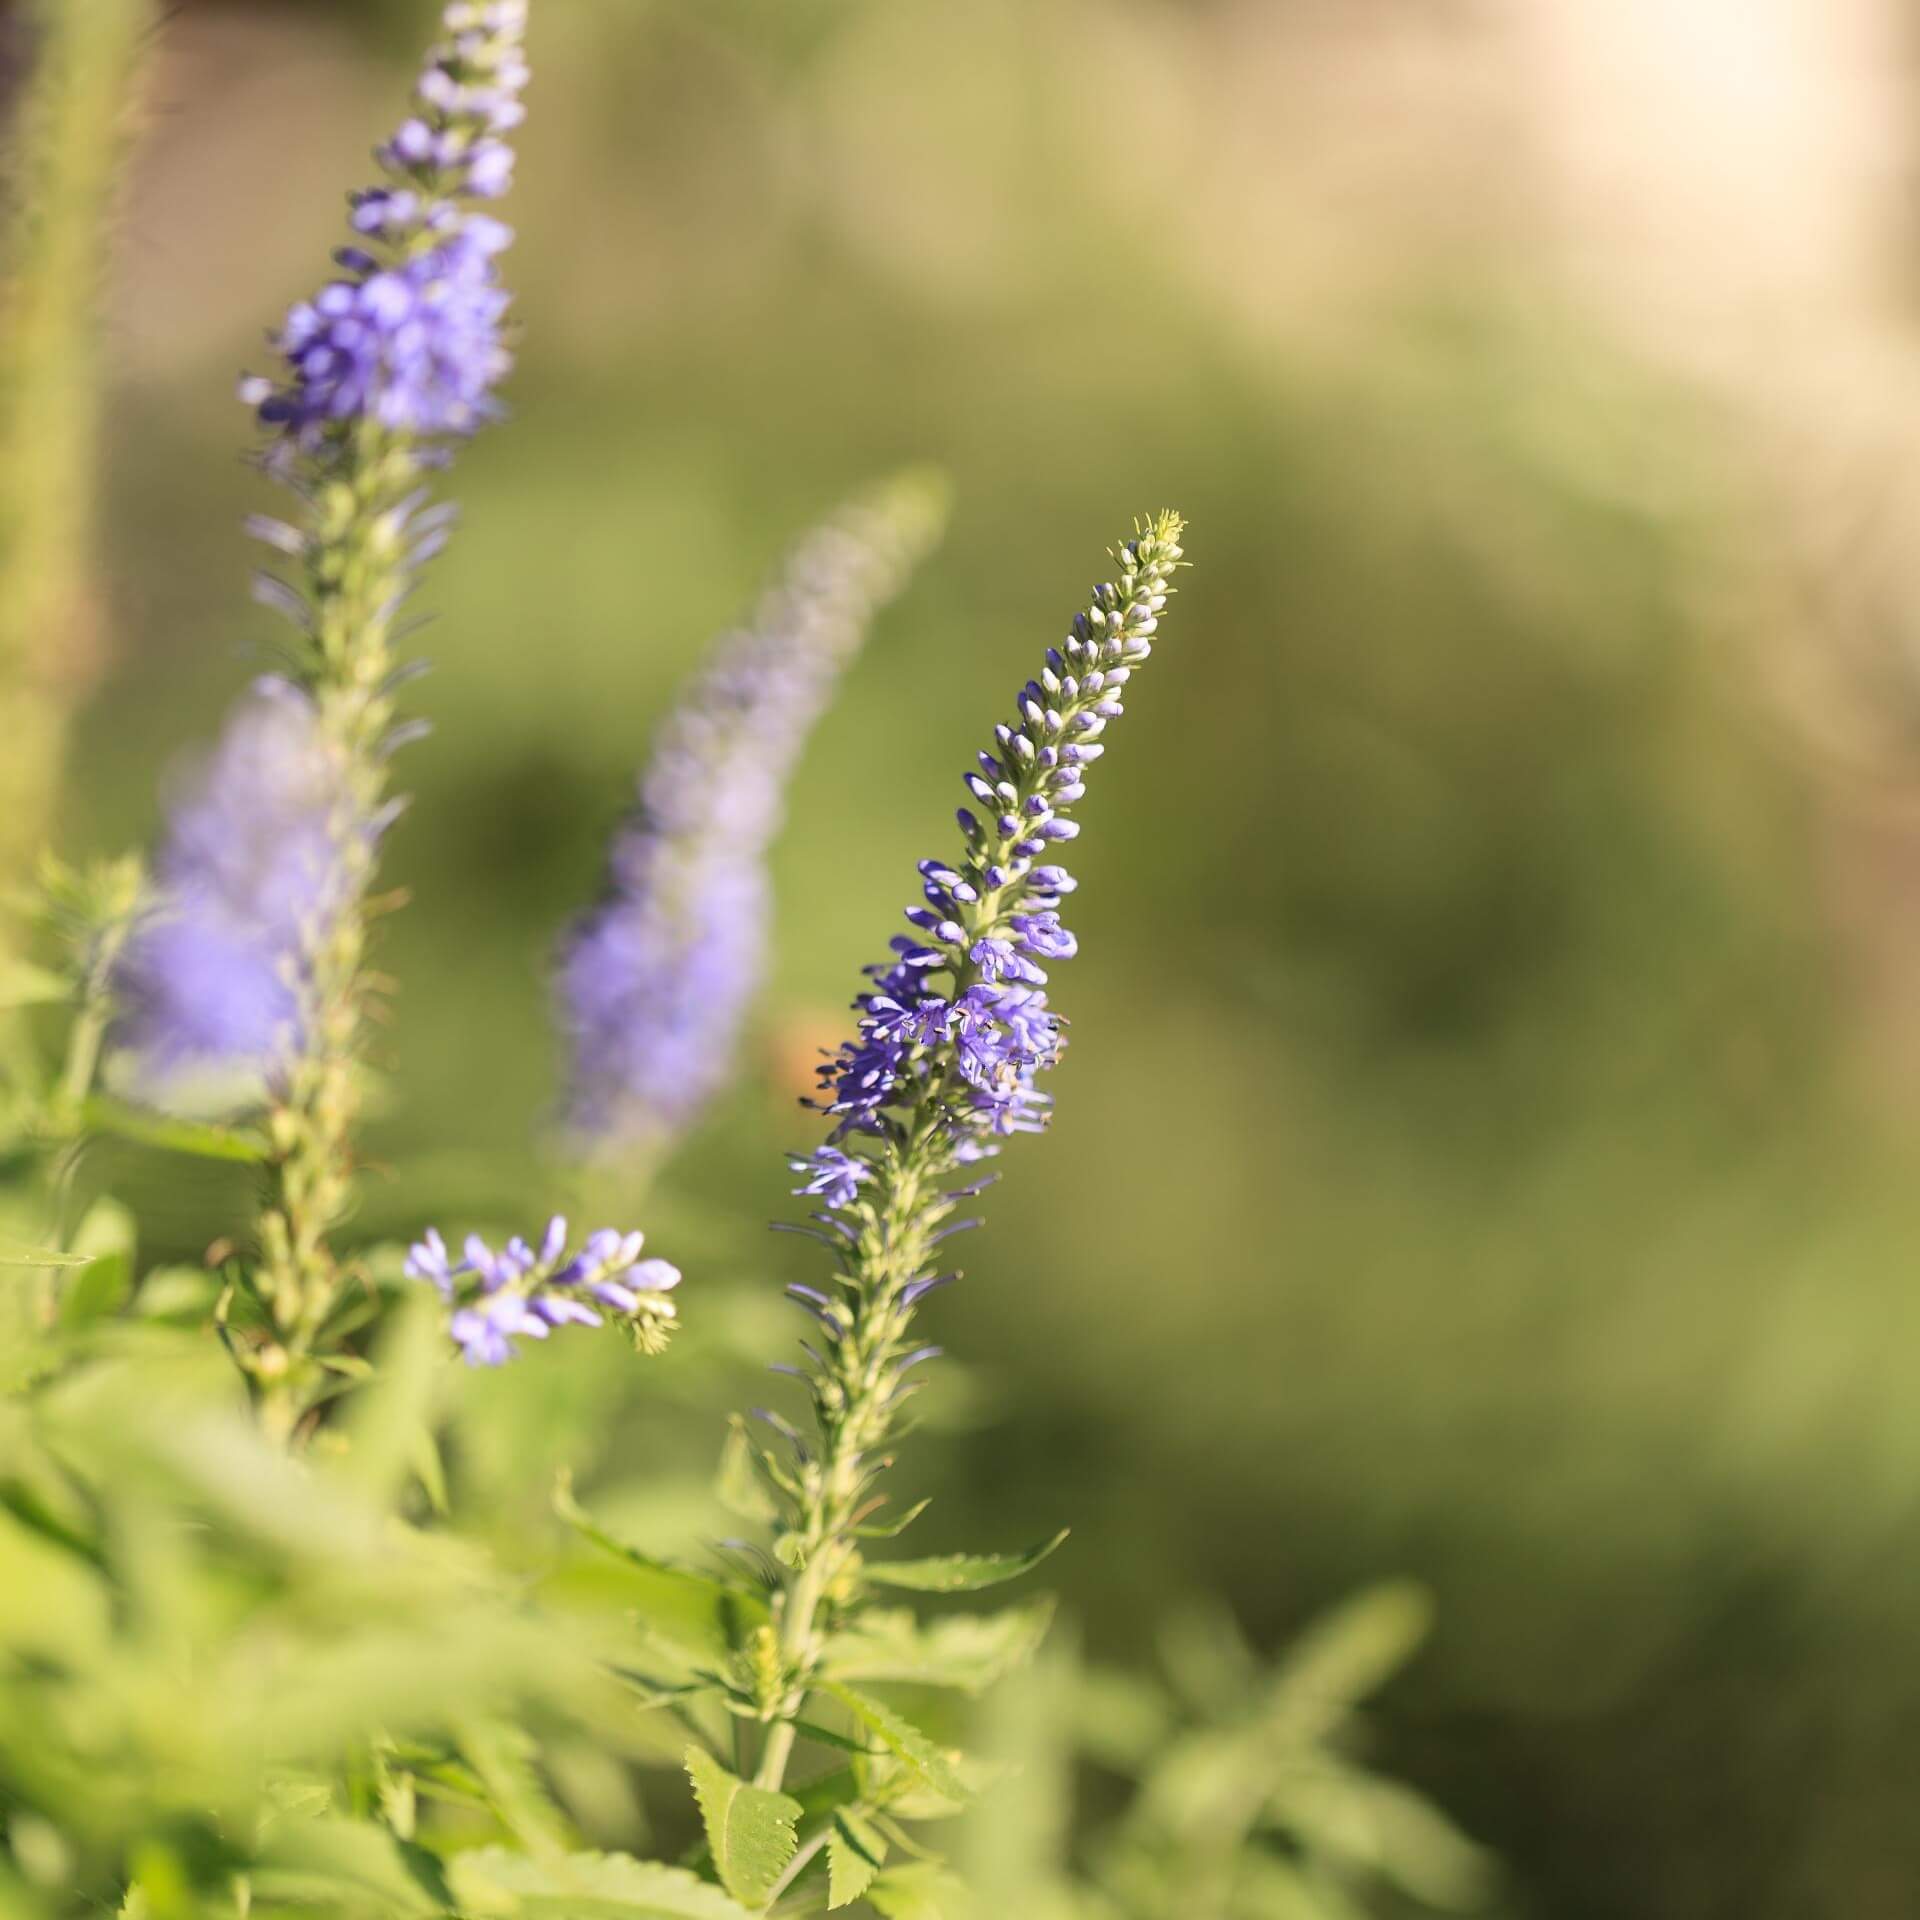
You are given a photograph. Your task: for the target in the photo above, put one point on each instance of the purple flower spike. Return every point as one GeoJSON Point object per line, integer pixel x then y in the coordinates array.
{"type": "Point", "coordinates": [653, 984]}
{"type": "Point", "coordinates": [955, 1031]}
{"type": "Point", "coordinates": [412, 340]}
{"type": "Point", "coordinates": [211, 984]}
{"type": "Point", "coordinates": [520, 1293]}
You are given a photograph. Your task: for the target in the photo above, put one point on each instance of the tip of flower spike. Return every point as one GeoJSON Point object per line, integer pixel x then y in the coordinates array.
{"type": "Point", "coordinates": [917, 503]}
{"type": "Point", "coordinates": [1161, 534]}
{"type": "Point", "coordinates": [411, 337]}
{"type": "Point", "coordinates": [500, 1298]}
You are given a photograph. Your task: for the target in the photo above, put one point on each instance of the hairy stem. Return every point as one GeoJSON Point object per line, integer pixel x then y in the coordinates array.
{"type": "Point", "coordinates": [355, 557]}
{"type": "Point", "coordinates": [857, 1398]}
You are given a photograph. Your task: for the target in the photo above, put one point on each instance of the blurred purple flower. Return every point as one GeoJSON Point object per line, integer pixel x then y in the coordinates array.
{"type": "Point", "coordinates": [653, 984]}
{"type": "Point", "coordinates": [247, 876]}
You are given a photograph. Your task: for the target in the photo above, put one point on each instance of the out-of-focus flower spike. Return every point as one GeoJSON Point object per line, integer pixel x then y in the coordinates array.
{"type": "Point", "coordinates": [654, 983]}
{"type": "Point", "coordinates": [380, 373]}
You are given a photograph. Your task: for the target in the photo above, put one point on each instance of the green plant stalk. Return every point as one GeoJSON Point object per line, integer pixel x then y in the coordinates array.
{"type": "Point", "coordinates": [74, 131]}
{"type": "Point", "coordinates": [89, 1031]}
{"type": "Point", "coordinates": [856, 1399]}
{"type": "Point", "coordinates": [355, 563]}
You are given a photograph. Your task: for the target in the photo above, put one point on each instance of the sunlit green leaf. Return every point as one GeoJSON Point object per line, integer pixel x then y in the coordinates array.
{"type": "Point", "coordinates": [103, 1114]}
{"type": "Point", "coordinates": [1344, 1655]}
{"type": "Point", "coordinates": [25, 985]}
{"type": "Point", "coordinates": [349, 1865]}
{"type": "Point", "coordinates": [699, 1613]}
{"type": "Point", "coordinates": [901, 1738]}
{"type": "Point", "coordinates": [920, 1891]}
{"type": "Point", "coordinates": [856, 1851]}
{"type": "Point", "coordinates": [892, 1529]}
{"type": "Point", "coordinates": [963, 1650]}
{"type": "Point", "coordinates": [492, 1883]}
{"type": "Point", "coordinates": [15, 1254]}
{"type": "Point", "coordinates": [960, 1572]}
{"type": "Point", "coordinates": [105, 1239]}
{"type": "Point", "coordinates": [738, 1483]}
{"type": "Point", "coordinates": [1385, 1828]}
{"type": "Point", "coordinates": [750, 1831]}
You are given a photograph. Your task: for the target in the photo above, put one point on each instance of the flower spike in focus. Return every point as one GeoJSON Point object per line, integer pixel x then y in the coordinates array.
{"type": "Point", "coordinates": [522, 1293]}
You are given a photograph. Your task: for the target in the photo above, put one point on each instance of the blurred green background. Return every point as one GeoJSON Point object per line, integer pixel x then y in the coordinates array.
{"type": "Point", "coordinates": [1487, 1151]}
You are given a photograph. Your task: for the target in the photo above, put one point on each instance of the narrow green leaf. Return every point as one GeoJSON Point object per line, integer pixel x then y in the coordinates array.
{"type": "Point", "coordinates": [388, 1425]}
{"type": "Point", "coordinates": [105, 1240]}
{"type": "Point", "coordinates": [25, 985]}
{"type": "Point", "coordinates": [180, 1296]}
{"type": "Point", "coordinates": [856, 1851]}
{"type": "Point", "coordinates": [697, 1613]}
{"type": "Point", "coordinates": [893, 1529]}
{"type": "Point", "coordinates": [1347, 1653]}
{"type": "Point", "coordinates": [496, 1883]}
{"type": "Point", "coordinates": [918, 1892]}
{"type": "Point", "coordinates": [347, 1865]}
{"type": "Point", "coordinates": [738, 1483]}
{"type": "Point", "coordinates": [14, 1254]}
{"type": "Point", "coordinates": [103, 1114]}
{"type": "Point", "coordinates": [750, 1831]}
{"type": "Point", "coordinates": [431, 1471]}
{"type": "Point", "coordinates": [969, 1651]}
{"type": "Point", "coordinates": [501, 1754]}
{"type": "Point", "coordinates": [960, 1572]}
{"type": "Point", "coordinates": [902, 1738]}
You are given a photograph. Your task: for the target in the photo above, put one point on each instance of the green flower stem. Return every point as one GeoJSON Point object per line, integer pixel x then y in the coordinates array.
{"type": "Point", "coordinates": [89, 1031]}
{"type": "Point", "coordinates": [856, 1401]}
{"type": "Point", "coordinates": [65, 163]}
{"type": "Point", "coordinates": [355, 563]}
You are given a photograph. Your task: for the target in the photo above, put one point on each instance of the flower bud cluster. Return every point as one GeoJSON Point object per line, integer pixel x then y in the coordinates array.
{"type": "Point", "coordinates": [520, 1292]}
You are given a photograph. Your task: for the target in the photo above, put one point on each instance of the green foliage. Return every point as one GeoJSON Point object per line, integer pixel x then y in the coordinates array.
{"type": "Point", "coordinates": [236, 1683]}
{"type": "Point", "coordinates": [1249, 1802]}
{"type": "Point", "coordinates": [926, 1762]}
{"type": "Point", "coordinates": [960, 1572]}
{"type": "Point", "coordinates": [697, 1614]}
{"type": "Point", "coordinates": [967, 1651]}
{"type": "Point", "coordinates": [856, 1851]}
{"type": "Point", "coordinates": [24, 985]}
{"type": "Point", "coordinates": [750, 1832]}
{"type": "Point", "coordinates": [493, 1884]}
{"type": "Point", "coordinates": [920, 1891]}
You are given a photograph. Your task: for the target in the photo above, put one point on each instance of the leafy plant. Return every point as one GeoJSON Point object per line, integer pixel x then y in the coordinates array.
{"type": "Point", "coordinates": [254, 1658]}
